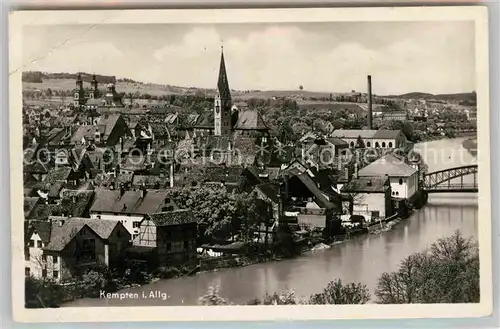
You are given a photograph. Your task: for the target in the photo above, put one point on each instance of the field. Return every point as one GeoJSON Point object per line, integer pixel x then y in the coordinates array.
{"type": "Point", "coordinates": [158, 90]}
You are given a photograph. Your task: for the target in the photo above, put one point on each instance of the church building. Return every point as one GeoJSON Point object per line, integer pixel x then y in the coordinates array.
{"type": "Point", "coordinates": [227, 120]}
{"type": "Point", "coordinates": [93, 99]}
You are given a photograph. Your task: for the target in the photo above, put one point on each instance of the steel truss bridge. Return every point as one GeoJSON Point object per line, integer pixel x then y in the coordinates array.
{"type": "Point", "coordinates": [441, 181]}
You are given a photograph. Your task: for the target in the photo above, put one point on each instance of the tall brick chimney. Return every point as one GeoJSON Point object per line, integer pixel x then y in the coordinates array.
{"type": "Point", "coordinates": [369, 100]}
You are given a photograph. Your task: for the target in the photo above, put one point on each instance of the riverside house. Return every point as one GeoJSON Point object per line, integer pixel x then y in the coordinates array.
{"type": "Point", "coordinates": [403, 177]}
{"type": "Point", "coordinates": [369, 197]}
{"type": "Point", "coordinates": [168, 238]}
{"type": "Point", "coordinates": [64, 247]}
{"type": "Point", "coordinates": [129, 207]}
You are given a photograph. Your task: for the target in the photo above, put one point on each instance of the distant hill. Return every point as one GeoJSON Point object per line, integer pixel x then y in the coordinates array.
{"type": "Point", "coordinates": [66, 81]}
{"type": "Point", "coordinates": [38, 77]}
{"type": "Point", "coordinates": [468, 97]}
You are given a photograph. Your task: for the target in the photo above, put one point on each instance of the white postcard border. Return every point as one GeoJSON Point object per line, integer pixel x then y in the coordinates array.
{"type": "Point", "coordinates": [17, 20]}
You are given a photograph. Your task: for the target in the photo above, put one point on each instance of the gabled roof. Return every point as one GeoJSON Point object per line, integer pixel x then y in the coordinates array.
{"type": "Point", "coordinates": [131, 202]}
{"type": "Point", "coordinates": [353, 133]}
{"type": "Point", "coordinates": [58, 174]}
{"type": "Point", "coordinates": [320, 198]}
{"type": "Point", "coordinates": [270, 190]}
{"type": "Point", "coordinates": [366, 184]}
{"type": "Point", "coordinates": [249, 120]}
{"type": "Point", "coordinates": [386, 134]}
{"type": "Point", "coordinates": [175, 217]}
{"type": "Point", "coordinates": [62, 235]}
{"type": "Point", "coordinates": [42, 228]}
{"type": "Point", "coordinates": [388, 165]}
{"type": "Point", "coordinates": [29, 205]}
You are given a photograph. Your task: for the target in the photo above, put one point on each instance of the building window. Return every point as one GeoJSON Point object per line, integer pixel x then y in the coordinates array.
{"type": "Point", "coordinates": [352, 144]}
{"type": "Point", "coordinates": [136, 224]}
{"type": "Point", "coordinates": [400, 181]}
{"type": "Point", "coordinates": [39, 244]}
{"type": "Point", "coordinates": [27, 254]}
{"type": "Point", "coordinates": [368, 144]}
{"type": "Point", "coordinates": [55, 274]}
{"type": "Point", "coordinates": [390, 144]}
{"type": "Point", "coordinates": [55, 259]}
{"type": "Point", "coordinates": [44, 258]}
{"type": "Point", "coordinates": [383, 144]}
{"type": "Point", "coordinates": [27, 271]}
{"type": "Point", "coordinates": [119, 233]}
{"type": "Point", "coordinates": [397, 193]}
{"type": "Point", "coordinates": [87, 250]}
{"type": "Point", "coordinates": [377, 144]}
{"type": "Point", "coordinates": [44, 273]}
{"type": "Point", "coordinates": [32, 243]}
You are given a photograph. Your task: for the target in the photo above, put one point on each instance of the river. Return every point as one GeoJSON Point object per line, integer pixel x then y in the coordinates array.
{"type": "Point", "coordinates": [362, 259]}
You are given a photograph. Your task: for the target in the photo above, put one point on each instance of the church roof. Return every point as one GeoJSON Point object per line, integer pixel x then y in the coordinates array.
{"type": "Point", "coordinates": [250, 119]}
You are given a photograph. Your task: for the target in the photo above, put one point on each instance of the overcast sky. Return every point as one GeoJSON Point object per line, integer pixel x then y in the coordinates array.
{"type": "Point", "coordinates": [434, 57]}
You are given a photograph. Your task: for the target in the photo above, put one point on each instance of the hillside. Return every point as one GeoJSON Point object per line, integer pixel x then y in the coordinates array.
{"type": "Point", "coordinates": [66, 81]}
{"type": "Point", "coordinates": [444, 97]}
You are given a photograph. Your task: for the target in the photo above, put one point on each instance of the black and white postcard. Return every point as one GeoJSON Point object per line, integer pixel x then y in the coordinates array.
{"type": "Point", "coordinates": [272, 164]}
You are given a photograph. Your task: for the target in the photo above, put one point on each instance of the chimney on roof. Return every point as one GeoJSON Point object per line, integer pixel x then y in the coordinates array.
{"type": "Point", "coordinates": [355, 170]}
{"type": "Point", "coordinates": [369, 100]}
{"type": "Point", "coordinates": [144, 191]}
{"type": "Point", "coordinates": [61, 222]}
{"type": "Point", "coordinates": [122, 190]}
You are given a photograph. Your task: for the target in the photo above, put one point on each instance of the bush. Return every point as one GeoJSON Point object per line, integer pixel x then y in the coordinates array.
{"type": "Point", "coordinates": [43, 293]}
{"type": "Point", "coordinates": [448, 272]}
{"type": "Point", "coordinates": [168, 272]}
{"type": "Point", "coordinates": [338, 293]}
{"type": "Point", "coordinates": [212, 297]}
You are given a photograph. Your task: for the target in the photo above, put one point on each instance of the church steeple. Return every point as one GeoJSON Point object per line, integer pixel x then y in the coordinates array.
{"type": "Point", "coordinates": [93, 88]}
{"type": "Point", "coordinates": [222, 102]}
{"type": "Point", "coordinates": [223, 84]}
{"type": "Point", "coordinates": [79, 95]}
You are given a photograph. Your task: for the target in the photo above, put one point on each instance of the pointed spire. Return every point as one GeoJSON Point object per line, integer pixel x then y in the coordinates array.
{"type": "Point", "coordinates": [223, 84]}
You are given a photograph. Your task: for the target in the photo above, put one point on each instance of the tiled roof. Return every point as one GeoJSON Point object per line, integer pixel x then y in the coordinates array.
{"type": "Point", "coordinates": [131, 202]}
{"type": "Point", "coordinates": [354, 133]}
{"type": "Point", "coordinates": [250, 120]}
{"type": "Point", "coordinates": [104, 200]}
{"type": "Point", "coordinates": [29, 205]}
{"type": "Point", "coordinates": [76, 202]}
{"type": "Point", "coordinates": [58, 174]}
{"type": "Point", "coordinates": [271, 190]}
{"type": "Point", "coordinates": [386, 134]}
{"type": "Point", "coordinates": [337, 141]}
{"type": "Point", "coordinates": [366, 184]}
{"type": "Point", "coordinates": [388, 165]}
{"type": "Point", "coordinates": [175, 217]}
{"type": "Point", "coordinates": [320, 198]}
{"type": "Point", "coordinates": [42, 228]}
{"type": "Point", "coordinates": [62, 235]}
{"type": "Point", "coordinates": [87, 132]}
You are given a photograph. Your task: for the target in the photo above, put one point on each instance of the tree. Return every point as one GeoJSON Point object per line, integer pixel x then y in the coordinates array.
{"type": "Point", "coordinates": [301, 87]}
{"type": "Point", "coordinates": [360, 144]}
{"type": "Point", "coordinates": [447, 272]}
{"type": "Point", "coordinates": [49, 94]}
{"type": "Point", "coordinates": [338, 293]}
{"type": "Point", "coordinates": [43, 293]}
{"type": "Point", "coordinates": [212, 298]}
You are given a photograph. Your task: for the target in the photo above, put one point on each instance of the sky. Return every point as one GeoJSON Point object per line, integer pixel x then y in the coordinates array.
{"type": "Point", "coordinates": [401, 57]}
